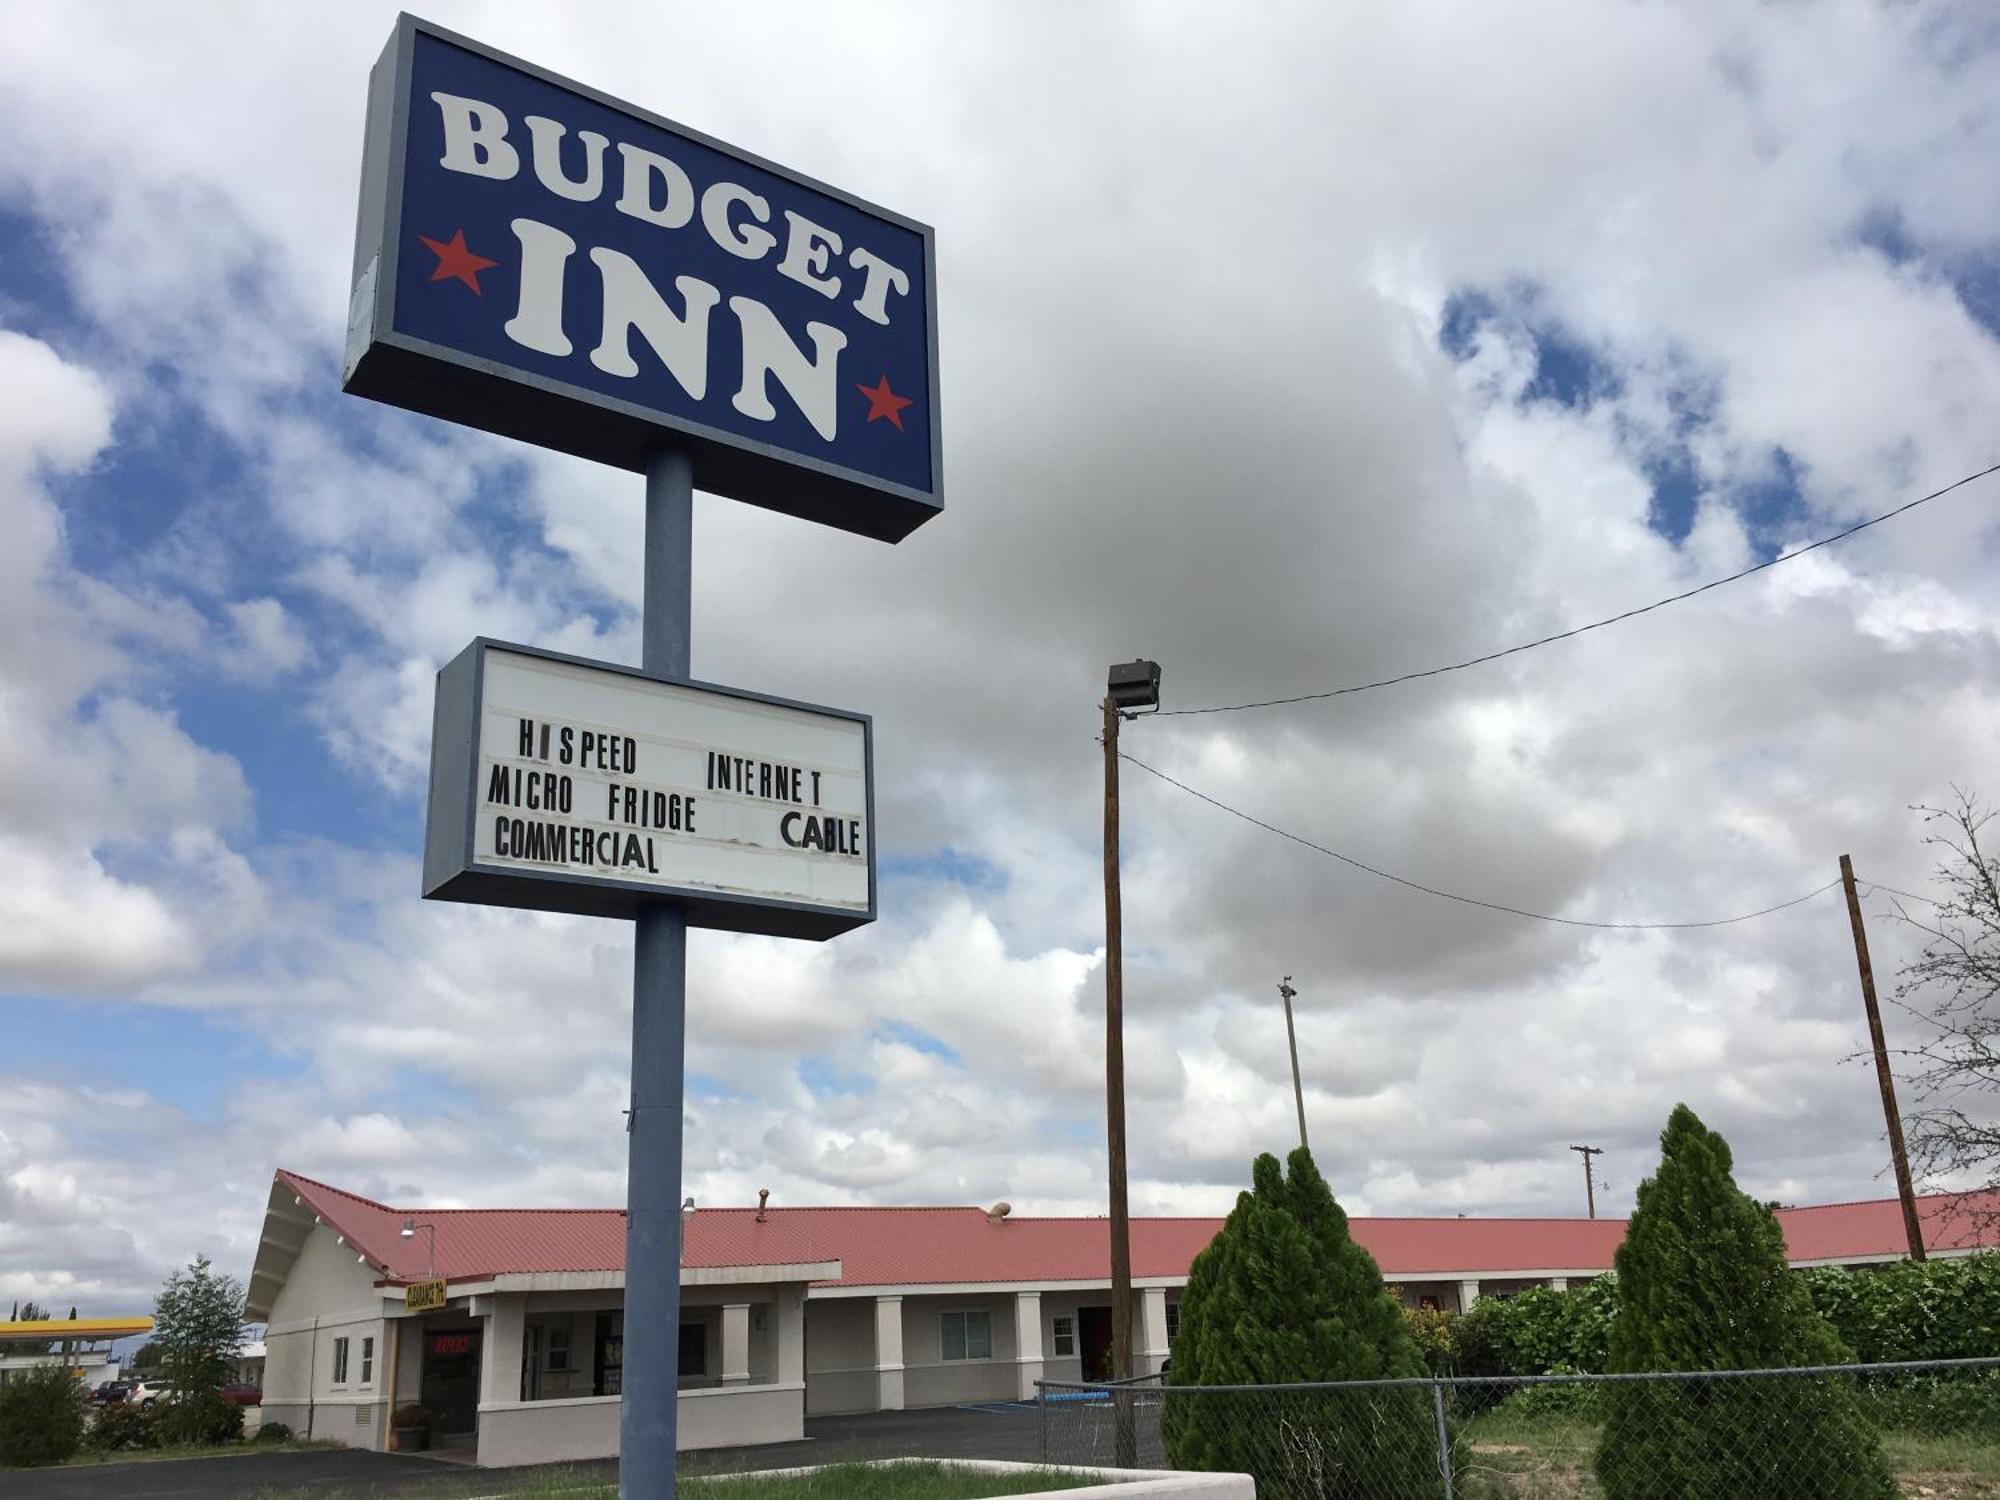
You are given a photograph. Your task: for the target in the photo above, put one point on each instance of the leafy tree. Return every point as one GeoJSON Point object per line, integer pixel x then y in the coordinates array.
{"type": "Point", "coordinates": [1703, 1285]}
{"type": "Point", "coordinates": [42, 1416]}
{"type": "Point", "coordinates": [198, 1324]}
{"type": "Point", "coordinates": [1953, 987]}
{"type": "Point", "coordinates": [1283, 1294]}
{"type": "Point", "coordinates": [148, 1356]}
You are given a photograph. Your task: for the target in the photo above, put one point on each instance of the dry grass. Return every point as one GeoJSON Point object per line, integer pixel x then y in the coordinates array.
{"type": "Point", "coordinates": [1513, 1459]}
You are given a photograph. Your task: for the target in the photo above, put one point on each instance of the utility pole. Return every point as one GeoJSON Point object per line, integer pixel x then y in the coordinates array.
{"type": "Point", "coordinates": [1285, 992]}
{"type": "Point", "coordinates": [1589, 1178]}
{"type": "Point", "coordinates": [1130, 685]}
{"type": "Point", "coordinates": [1890, 1114]}
{"type": "Point", "coordinates": [1114, 1074]}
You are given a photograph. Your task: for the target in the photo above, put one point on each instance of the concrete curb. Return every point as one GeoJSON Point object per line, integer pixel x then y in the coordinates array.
{"type": "Point", "coordinates": [1120, 1484]}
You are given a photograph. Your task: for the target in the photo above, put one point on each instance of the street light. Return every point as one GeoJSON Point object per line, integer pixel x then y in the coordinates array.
{"type": "Point", "coordinates": [1129, 686]}
{"type": "Point", "coordinates": [409, 1232]}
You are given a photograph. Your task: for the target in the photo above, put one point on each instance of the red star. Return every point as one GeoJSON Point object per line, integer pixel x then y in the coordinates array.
{"type": "Point", "coordinates": [883, 402]}
{"type": "Point", "coordinates": [455, 261]}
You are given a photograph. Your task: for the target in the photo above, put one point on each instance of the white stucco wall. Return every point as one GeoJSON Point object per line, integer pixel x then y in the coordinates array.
{"type": "Point", "coordinates": [536, 1432]}
{"type": "Point", "coordinates": [329, 1288]}
{"type": "Point", "coordinates": [840, 1355]}
{"type": "Point", "coordinates": [931, 1380]}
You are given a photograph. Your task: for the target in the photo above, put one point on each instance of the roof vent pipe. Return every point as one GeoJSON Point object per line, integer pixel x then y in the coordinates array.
{"type": "Point", "coordinates": [999, 1211]}
{"type": "Point", "coordinates": [763, 1197]}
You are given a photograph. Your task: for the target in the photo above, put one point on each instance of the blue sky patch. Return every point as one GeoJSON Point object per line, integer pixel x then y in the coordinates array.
{"type": "Point", "coordinates": [823, 1076]}
{"type": "Point", "coordinates": [1568, 371]}
{"type": "Point", "coordinates": [922, 1041]}
{"type": "Point", "coordinates": [944, 866]}
{"type": "Point", "coordinates": [190, 1062]}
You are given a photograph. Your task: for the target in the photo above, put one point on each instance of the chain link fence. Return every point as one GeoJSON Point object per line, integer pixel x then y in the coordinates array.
{"type": "Point", "coordinates": [1928, 1429]}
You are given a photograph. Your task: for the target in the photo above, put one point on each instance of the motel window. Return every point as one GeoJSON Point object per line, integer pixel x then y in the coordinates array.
{"type": "Point", "coordinates": [558, 1347]}
{"type": "Point", "coordinates": [367, 1361]}
{"type": "Point", "coordinates": [965, 1335]}
{"type": "Point", "coordinates": [340, 1361]}
{"type": "Point", "coordinates": [694, 1349]}
{"type": "Point", "coordinates": [1173, 1322]}
{"type": "Point", "coordinates": [1064, 1330]}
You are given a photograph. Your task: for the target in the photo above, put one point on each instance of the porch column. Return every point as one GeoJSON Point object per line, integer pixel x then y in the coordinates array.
{"type": "Point", "coordinates": [791, 1315]}
{"type": "Point", "coordinates": [888, 1353]}
{"type": "Point", "coordinates": [1468, 1293]}
{"type": "Point", "coordinates": [1558, 1283]}
{"type": "Point", "coordinates": [1027, 1342]}
{"type": "Point", "coordinates": [500, 1350]}
{"type": "Point", "coordinates": [1149, 1339]}
{"type": "Point", "coordinates": [735, 1343]}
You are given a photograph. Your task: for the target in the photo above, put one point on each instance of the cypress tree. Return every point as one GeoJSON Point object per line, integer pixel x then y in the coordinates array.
{"type": "Point", "coordinates": [1703, 1284]}
{"type": "Point", "coordinates": [1283, 1294]}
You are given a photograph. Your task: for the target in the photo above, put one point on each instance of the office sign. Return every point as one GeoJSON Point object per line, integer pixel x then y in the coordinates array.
{"type": "Point", "coordinates": [570, 785]}
{"type": "Point", "coordinates": [540, 260]}
{"type": "Point", "coordinates": [424, 1296]}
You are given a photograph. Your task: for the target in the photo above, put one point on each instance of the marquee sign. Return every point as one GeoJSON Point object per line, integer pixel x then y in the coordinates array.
{"type": "Point", "coordinates": [569, 785]}
{"type": "Point", "coordinates": [543, 261]}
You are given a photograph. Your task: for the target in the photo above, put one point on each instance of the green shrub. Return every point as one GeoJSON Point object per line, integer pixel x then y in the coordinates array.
{"type": "Point", "coordinates": [1540, 1332]}
{"type": "Point", "coordinates": [199, 1418]}
{"type": "Point", "coordinates": [123, 1425]}
{"type": "Point", "coordinates": [43, 1412]}
{"type": "Point", "coordinates": [1703, 1285]}
{"type": "Point", "coordinates": [1431, 1331]}
{"type": "Point", "coordinates": [1936, 1309]}
{"type": "Point", "coordinates": [1958, 1403]}
{"type": "Point", "coordinates": [273, 1432]}
{"type": "Point", "coordinates": [1284, 1294]}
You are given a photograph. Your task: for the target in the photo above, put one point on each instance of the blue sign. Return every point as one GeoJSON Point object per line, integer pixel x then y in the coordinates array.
{"type": "Point", "coordinates": [542, 261]}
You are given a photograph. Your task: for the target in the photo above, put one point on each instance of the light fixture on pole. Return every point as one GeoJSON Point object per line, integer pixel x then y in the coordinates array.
{"type": "Point", "coordinates": [1129, 687]}
{"type": "Point", "coordinates": [409, 1232]}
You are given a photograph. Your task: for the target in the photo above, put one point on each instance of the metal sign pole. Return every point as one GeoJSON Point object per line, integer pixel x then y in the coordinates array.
{"type": "Point", "coordinates": [647, 1414]}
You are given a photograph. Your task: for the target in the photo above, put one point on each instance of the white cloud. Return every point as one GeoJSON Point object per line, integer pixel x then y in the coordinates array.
{"type": "Point", "coordinates": [269, 641]}
{"type": "Point", "coordinates": [108, 871]}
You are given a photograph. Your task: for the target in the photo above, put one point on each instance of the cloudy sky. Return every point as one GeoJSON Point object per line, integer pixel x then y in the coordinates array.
{"type": "Point", "coordinates": [1290, 354]}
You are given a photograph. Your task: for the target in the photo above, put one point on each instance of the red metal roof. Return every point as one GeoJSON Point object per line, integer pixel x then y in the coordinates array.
{"type": "Point", "coordinates": [932, 1246]}
{"type": "Point", "coordinates": [1851, 1231]}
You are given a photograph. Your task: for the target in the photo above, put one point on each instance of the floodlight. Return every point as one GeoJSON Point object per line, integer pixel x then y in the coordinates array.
{"type": "Point", "coordinates": [1134, 684]}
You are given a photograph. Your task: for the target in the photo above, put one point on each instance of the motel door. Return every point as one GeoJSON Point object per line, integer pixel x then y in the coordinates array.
{"type": "Point", "coordinates": [450, 1385]}
{"type": "Point", "coordinates": [1093, 1326]}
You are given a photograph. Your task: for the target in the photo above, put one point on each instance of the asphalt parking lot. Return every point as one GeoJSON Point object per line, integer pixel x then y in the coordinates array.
{"type": "Point", "coordinates": [998, 1430]}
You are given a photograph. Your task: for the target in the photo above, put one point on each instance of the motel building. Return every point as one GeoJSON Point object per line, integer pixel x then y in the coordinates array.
{"type": "Point", "coordinates": [794, 1312]}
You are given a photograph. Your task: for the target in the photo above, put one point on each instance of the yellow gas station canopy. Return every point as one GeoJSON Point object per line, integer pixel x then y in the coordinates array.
{"type": "Point", "coordinates": [75, 1328]}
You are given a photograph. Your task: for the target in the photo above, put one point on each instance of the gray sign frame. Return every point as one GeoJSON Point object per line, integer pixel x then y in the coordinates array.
{"type": "Point", "coordinates": [452, 873]}
{"type": "Point", "coordinates": [439, 381]}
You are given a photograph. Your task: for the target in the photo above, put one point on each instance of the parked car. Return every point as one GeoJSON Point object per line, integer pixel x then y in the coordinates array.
{"type": "Point", "coordinates": [243, 1395]}
{"type": "Point", "coordinates": [111, 1392]}
{"type": "Point", "coordinates": [146, 1392]}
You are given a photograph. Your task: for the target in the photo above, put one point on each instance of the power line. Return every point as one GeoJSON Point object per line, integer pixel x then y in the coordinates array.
{"type": "Point", "coordinates": [1564, 635]}
{"type": "Point", "coordinates": [1429, 890]}
{"type": "Point", "coordinates": [1876, 885]}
